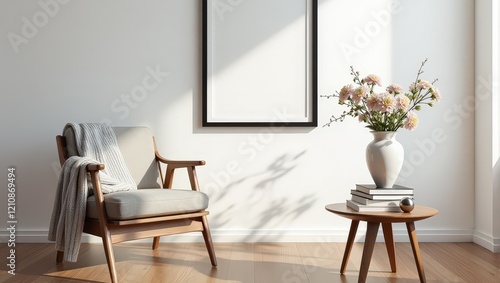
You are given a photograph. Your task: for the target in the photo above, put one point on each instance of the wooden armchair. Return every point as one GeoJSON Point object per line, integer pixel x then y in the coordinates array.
{"type": "Point", "coordinates": [151, 211]}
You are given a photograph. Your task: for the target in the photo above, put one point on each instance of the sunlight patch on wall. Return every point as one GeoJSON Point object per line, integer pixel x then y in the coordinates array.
{"type": "Point", "coordinates": [264, 66]}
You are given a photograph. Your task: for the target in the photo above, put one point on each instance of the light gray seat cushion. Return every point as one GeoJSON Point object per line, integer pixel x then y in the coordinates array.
{"type": "Point", "coordinates": [149, 203]}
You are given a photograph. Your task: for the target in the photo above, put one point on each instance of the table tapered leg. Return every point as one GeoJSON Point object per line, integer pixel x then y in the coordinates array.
{"type": "Point", "coordinates": [348, 247]}
{"type": "Point", "coordinates": [389, 244]}
{"type": "Point", "coordinates": [371, 236]}
{"type": "Point", "coordinates": [412, 233]}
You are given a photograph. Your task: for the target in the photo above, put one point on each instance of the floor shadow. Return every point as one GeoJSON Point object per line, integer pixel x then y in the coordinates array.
{"type": "Point", "coordinates": [263, 262]}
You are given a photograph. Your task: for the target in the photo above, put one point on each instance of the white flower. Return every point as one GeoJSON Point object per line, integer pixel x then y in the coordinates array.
{"type": "Point", "coordinates": [386, 111]}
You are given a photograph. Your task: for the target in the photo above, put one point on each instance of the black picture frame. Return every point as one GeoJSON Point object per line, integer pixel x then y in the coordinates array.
{"type": "Point", "coordinates": [310, 107]}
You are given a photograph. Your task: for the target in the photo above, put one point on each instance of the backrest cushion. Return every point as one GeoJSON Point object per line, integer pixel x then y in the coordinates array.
{"type": "Point", "coordinates": [137, 148]}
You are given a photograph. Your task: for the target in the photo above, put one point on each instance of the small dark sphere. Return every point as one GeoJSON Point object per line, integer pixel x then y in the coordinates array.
{"type": "Point", "coordinates": [406, 204]}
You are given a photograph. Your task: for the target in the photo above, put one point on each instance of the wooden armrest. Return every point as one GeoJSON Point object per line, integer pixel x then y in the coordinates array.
{"type": "Point", "coordinates": [179, 163]}
{"type": "Point", "coordinates": [176, 163]}
{"type": "Point", "coordinates": [95, 167]}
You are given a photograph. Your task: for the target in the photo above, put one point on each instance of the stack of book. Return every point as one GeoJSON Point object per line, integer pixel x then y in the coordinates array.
{"type": "Point", "coordinates": [367, 197]}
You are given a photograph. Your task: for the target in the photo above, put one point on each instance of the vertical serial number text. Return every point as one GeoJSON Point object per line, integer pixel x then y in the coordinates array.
{"type": "Point", "coordinates": [11, 221]}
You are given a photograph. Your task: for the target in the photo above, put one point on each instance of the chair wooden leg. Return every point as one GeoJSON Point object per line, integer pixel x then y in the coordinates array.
{"type": "Point", "coordinates": [208, 241]}
{"type": "Point", "coordinates": [110, 257]}
{"type": "Point", "coordinates": [156, 243]}
{"type": "Point", "coordinates": [60, 256]}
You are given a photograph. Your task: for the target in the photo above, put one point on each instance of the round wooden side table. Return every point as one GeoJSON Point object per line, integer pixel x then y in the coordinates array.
{"type": "Point", "coordinates": [374, 219]}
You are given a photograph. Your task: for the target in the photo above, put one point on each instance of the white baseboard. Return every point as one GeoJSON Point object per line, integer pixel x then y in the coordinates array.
{"type": "Point", "coordinates": [221, 236]}
{"type": "Point", "coordinates": [486, 241]}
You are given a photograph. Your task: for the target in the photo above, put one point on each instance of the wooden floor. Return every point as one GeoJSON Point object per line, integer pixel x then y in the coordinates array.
{"type": "Point", "coordinates": [252, 262]}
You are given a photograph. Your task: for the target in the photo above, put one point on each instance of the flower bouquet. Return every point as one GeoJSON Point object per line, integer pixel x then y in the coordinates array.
{"type": "Point", "coordinates": [386, 110]}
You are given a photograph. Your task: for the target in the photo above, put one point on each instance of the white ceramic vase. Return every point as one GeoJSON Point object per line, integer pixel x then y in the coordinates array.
{"type": "Point", "coordinates": [384, 157]}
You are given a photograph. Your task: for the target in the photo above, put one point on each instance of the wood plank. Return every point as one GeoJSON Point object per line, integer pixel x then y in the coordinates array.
{"type": "Point", "coordinates": [167, 263]}
{"type": "Point", "coordinates": [434, 270]}
{"type": "Point", "coordinates": [242, 262]}
{"type": "Point", "coordinates": [469, 265]}
{"type": "Point", "coordinates": [253, 262]}
{"type": "Point", "coordinates": [197, 266]}
{"type": "Point", "coordinates": [322, 262]}
{"type": "Point", "coordinates": [278, 262]}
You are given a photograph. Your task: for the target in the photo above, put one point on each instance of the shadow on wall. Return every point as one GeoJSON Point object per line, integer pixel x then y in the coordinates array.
{"type": "Point", "coordinates": [258, 192]}
{"type": "Point", "coordinates": [267, 177]}
{"type": "Point", "coordinates": [239, 18]}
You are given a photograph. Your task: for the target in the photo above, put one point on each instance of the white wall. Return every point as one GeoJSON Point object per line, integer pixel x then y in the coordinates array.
{"type": "Point", "coordinates": [79, 65]}
{"type": "Point", "coordinates": [487, 224]}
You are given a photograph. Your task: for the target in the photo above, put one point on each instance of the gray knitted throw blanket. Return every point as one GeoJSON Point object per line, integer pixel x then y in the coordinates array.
{"type": "Point", "coordinates": [96, 143]}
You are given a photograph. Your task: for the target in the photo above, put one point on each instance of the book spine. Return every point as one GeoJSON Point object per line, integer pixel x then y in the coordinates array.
{"type": "Point", "coordinates": [386, 191]}
{"type": "Point", "coordinates": [372, 189]}
{"type": "Point", "coordinates": [368, 202]}
{"type": "Point", "coordinates": [365, 208]}
{"type": "Point", "coordinates": [351, 205]}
